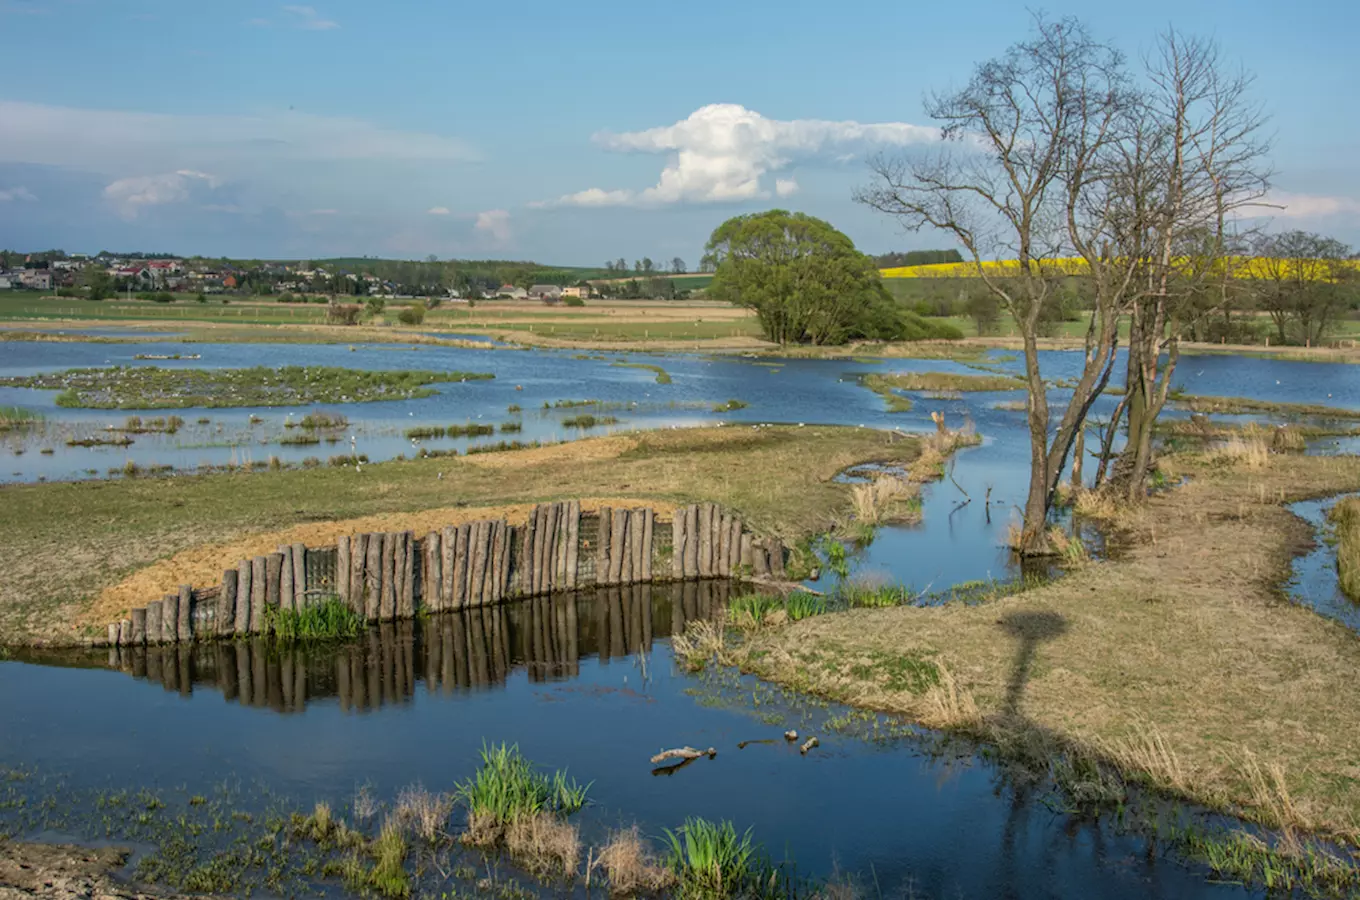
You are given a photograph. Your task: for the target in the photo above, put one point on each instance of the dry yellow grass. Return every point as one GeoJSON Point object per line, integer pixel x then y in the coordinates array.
{"type": "Point", "coordinates": [631, 866]}
{"type": "Point", "coordinates": [545, 844]}
{"type": "Point", "coordinates": [1175, 661]}
{"type": "Point", "coordinates": [67, 544]}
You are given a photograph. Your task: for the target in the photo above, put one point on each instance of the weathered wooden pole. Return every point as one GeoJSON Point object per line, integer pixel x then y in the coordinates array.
{"type": "Point", "coordinates": [448, 541]}
{"type": "Point", "coordinates": [407, 607]}
{"type": "Point", "coordinates": [257, 592]}
{"type": "Point", "coordinates": [286, 578]}
{"type": "Point", "coordinates": [343, 569]}
{"type": "Point", "coordinates": [477, 560]}
{"type": "Point", "coordinates": [637, 524]}
{"type": "Point", "coordinates": [300, 575]}
{"type": "Point", "coordinates": [618, 544]}
{"type": "Point", "coordinates": [705, 541]}
{"type": "Point", "coordinates": [113, 634]}
{"type": "Point", "coordinates": [358, 557]}
{"type": "Point", "coordinates": [153, 621]}
{"type": "Point", "coordinates": [678, 545]}
{"type": "Point", "coordinates": [398, 571]}
{"type": "Point", "coordinates": [501, 569]}
{"type": "Point", "coordinates": [225, 620]}
{"type": "Point", "coordinates": [125, 633]}
{"type": "Point", "coordinates": [432, 580]}
{"type": "Point", "coordinates": [760, 564]}
{"type": "Point", "coordinates": [139, 626]}
{"type": "Point", "coordinates": [244, 588]}
{"type": "Point", "coordinates": [387, 609]}
{"type": "Point", "coordinates": [185, 622]}
{"type": "Point", "coordinates": [648, 546]}
{"type": "Point", "coordinates": [273, 581]}
{"type": "Point", "coordinates": [169, 618]}
{"type": "Point", "coordinates": [692, 541]}
{"type": "Point", "coordinates": [573, 543]}
{"type": "Point", "coordinates": [747, 553]}
{"type": "Point", "coordinates": [460, 566]}
{"type": "Point", "coordinates": [603, 540]}
{"type": "Point", "coordinates": [373, 577]}
{"type": "Point", "coordinates": [724, 561]}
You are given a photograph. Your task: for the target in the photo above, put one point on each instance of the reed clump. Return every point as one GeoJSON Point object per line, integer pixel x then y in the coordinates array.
{"type": "Point", "coordinates": [712, 861]}
{"type": "Point", "coordinates": [507, 789]}
{"type": "Point", "coordinates": [329, 620]}
{"type": "Point", "coordinates": [631, 866]}
{"type": "Point", "coordinates": [1345, 516]}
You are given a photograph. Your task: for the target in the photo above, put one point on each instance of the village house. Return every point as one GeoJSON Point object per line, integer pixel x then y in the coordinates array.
{"type": "Point", "coordinates": [579, 291]}
{"type": "Point", "coordinates": [548, 293]}
{"type": "Point", "coordinates": [511, 291]}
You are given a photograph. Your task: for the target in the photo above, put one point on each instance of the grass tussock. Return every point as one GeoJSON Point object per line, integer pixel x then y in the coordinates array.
{"type": "Point", "coordinates": [422, 813]}
{"type": "Point", "coordinates": [701, 643]}
{"type": "Point", "coordinates": [662, 376]}
{"type": "Point", "coordinates": [1248, 451]}
{"type": "Point", "coordinates": [711, 861]}
{"type": "Point", "coordinates": [631, 866]}
{"type": "Point", "coordinates": [884, 498]}
{"type": "Point", "coordinates": [947, 704]}
{"type": "Point", "coordinates": [730, 406]}
{"type": "Point", "coordinates": [507, 788]}
{"type": "Point", "coordinates": [545, 844]}
{"type": "Point", "coordinates": [1345, 516]}
{"type": "Point", "coordinates": [329, 620]}
{"type": "Point", "coordinates": [587, 421]}
{"type": "Point", "coordinates": [940, 382]}
{"type": "Point", "coordinates": [15, 417]}
{"type": "Point", "coordinates": [881, 385]}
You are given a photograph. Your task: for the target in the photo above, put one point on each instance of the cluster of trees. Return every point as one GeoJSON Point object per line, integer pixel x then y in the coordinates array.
{"type": "Point", "coordinates": [917, 258]}
{"type": "Point", "coordinates": [643, 268]}
{"type": "Point", "coordinates": [1058, 149]}
{"type": "Point", "coordinates": [806, 282]}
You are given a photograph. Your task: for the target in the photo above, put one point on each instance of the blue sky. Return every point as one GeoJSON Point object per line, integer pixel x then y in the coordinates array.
{"type": "Point", "coordinates": [565, 133]}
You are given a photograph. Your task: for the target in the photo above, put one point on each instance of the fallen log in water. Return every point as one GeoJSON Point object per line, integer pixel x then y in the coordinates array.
{"type": "Point", "coordinates": [683, 753]}
{"type": "Point", "coordinates": [808, 745]}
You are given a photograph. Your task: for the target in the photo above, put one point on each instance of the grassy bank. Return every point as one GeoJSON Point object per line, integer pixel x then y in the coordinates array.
{"type": "Point", "coordinates": [150, 387]}
{"type": "Point", "coordinates": [1177, 663]}
{"type": "Point", "coordinates": [65, 543]}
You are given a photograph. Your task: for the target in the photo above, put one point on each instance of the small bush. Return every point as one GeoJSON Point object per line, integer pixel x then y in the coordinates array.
{"type": "Point", "coordinates": [412, 315]}
{"type": "Point", "coordinates": [574, 301]}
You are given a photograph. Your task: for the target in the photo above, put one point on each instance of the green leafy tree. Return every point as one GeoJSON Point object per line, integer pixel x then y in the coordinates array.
{"type": "Point", "coordinates": [98, 282]}
{"type": "Point", "coordinates": [805, 281]}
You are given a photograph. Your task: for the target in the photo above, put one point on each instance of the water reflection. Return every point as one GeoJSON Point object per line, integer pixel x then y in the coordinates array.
{"type": "Point", "coordinates": [454, 652]}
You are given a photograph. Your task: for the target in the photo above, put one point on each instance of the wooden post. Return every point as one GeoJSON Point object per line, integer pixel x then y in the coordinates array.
{"type": "Point", "coordinates": [286, 578]}
{"type": "Point", "coordinates": [542, 548]}
{"type": "Point", "coordinates": [446, 547]}
{"type": "Point", "coordinates": [139, 626]}
{"type": "Point", "coordinates": [170, 618]}
{"type": "Point", "coordinates": [113, 635]}
{"type": "Point", "coordinates": [507, 546]}
{"type": "Point", "coordinates": [563, 529]}
{"type": "Point", "coordinates": [244, 590]}
{"type": "Point", "coordinates": [532, 552]}
{"type": "Point", "coordinates": [724, 561]}
{"type": "Point", "coordinates": [678, 545]}
{"type": "Point", "coordinates": [603, 539]}
{"type": "Point", "coordinates": [300, 575]}
{"type": "Point", "coordinates": [734, 548]}
{"type": "Point", "coordinates": [477, 560]}
{"type": "Point", "coordinates": [748, 556]}
{"type": "Point", "coordinates": [125, 633]}
{"type": "Point", "coordinates": [398, 571]}
{"type": "Point", "coordinates": [705, 541]}
{"type": "Point", "coordinates": [636, 525]}
{"type": "Point", "coordinates": [185, 623]}
{"type": "Point", "coordinates": [460, 566]}
{"type": "Point", "coordinates": [273, 580]}
{"type": "Point", "coordinates": [573, 542]}
{"type": "Point", "coordinates": [407, 607]}
{"type": "Point", "coordinates": [387, 609]}
{"type": "Point", "coordinates": [226, 603]}
{"type": "Point", "coordinates": [692, 541]}
{"type": "Point", "coordinates": [257, 592]}
{"type": "Point", "coordinates": [358, 558]}
{"type": "Point", "coordinates": [618, 545]}
{"type": "Point", "coordinates": [343, 568]}
{"type": "Point", "coordinates": [777, 559]}
{"type": "Point", "coordinates": [648, 521]}
{"type": "Point", "coordinates": [432, 581]}
{"type": "Point", "coordinates": [500, 548]}
{"type": "Point", "coordinates": [760, 564]}
{"type": "Point", "coordinates": [373, 577]}
{"type": "Point", "coordinates": [153, 621]}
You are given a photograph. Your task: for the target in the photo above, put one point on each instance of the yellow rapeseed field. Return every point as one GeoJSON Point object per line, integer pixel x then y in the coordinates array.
{"type": "Point", "coordinates": [1243, 267]}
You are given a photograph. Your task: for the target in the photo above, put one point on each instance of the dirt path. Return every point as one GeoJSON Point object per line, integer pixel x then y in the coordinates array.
{"type": "Point", "coordinates": [65, 872]}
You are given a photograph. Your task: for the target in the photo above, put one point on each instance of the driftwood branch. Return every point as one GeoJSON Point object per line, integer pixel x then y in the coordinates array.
{"type": "Point", "coordinates": [683, 753]}
{"type": "Point", "coordinates": [808, 745]}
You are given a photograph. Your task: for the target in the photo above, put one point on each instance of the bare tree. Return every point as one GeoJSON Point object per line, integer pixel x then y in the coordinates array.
{"type": "Point", "coordinates": [1197, 160]}
{"type": "Point", "coordinates": [1300, 280]}
{"type": "Point", "coordinates": [1029, 173]}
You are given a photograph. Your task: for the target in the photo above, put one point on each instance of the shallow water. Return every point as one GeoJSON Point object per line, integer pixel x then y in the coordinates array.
{"type": "Point", "coordinates": [584, 683]}
{"type": "Point", "coordinates": [1313, 580]}
{"type": "Point", "coordinates": [588, 683]}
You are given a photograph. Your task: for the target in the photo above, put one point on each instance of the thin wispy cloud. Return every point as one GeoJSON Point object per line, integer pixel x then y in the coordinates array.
{"type": "Point", "coordinates": [10, 195]}
{"type": "Point", "coordinates": [305, 18]}
{"type": "Point", "coordinates": [437, 211]}
{"type": "Point", "coordinates": [724, 152]}
{"type": "Point", "coordinates": [1285, 205]}
{"type": "Point", "coordinates": [308, 19]}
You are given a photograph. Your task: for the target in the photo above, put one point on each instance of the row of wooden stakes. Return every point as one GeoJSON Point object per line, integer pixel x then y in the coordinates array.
{"type": "Point", "coordinates": [389, 576]}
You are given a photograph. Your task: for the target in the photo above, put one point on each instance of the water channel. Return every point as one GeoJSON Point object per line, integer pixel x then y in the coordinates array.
{"type": "Point", "coordinates": [586, 682]}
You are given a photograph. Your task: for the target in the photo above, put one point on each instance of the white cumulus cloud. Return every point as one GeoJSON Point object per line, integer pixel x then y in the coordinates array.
{"type": "Point", "coordinates": [438, 211]}
{"type": "Point", "coordinates": [722, 153]}
{"type": "Point", "coordinates": [16, 193]}
{"type": "Point", "coordinates": [494, 222]}
{"type": "Point", "coordinates": [307, 18]}
{"type": "Point", "coordinates": [132, 195]}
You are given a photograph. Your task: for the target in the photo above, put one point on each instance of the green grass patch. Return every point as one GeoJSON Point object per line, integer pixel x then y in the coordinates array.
{"type": "Point", "coordinates": [880, 385]}
{"type": "Point", "coordinates": [588, 420]}
{"type": "Point", "coordinates": [329, 620]}
{"type": "Point", "coordinates": [947, 381]}
{"type": "Point", "coordinates": [15, 417]}
{"type": "Point", "coordinates": [507, 788]}
{"type": "Point", "coordinates": [149, 387]}
{"type": "Point", "coordinates": [711, 861]}
{"type": "Point", "coordinates": [1345, 516]}
{"type": "Point", "coordinates": [662, 376]}
{"type": "Point", "coordinates": [729, 406]}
